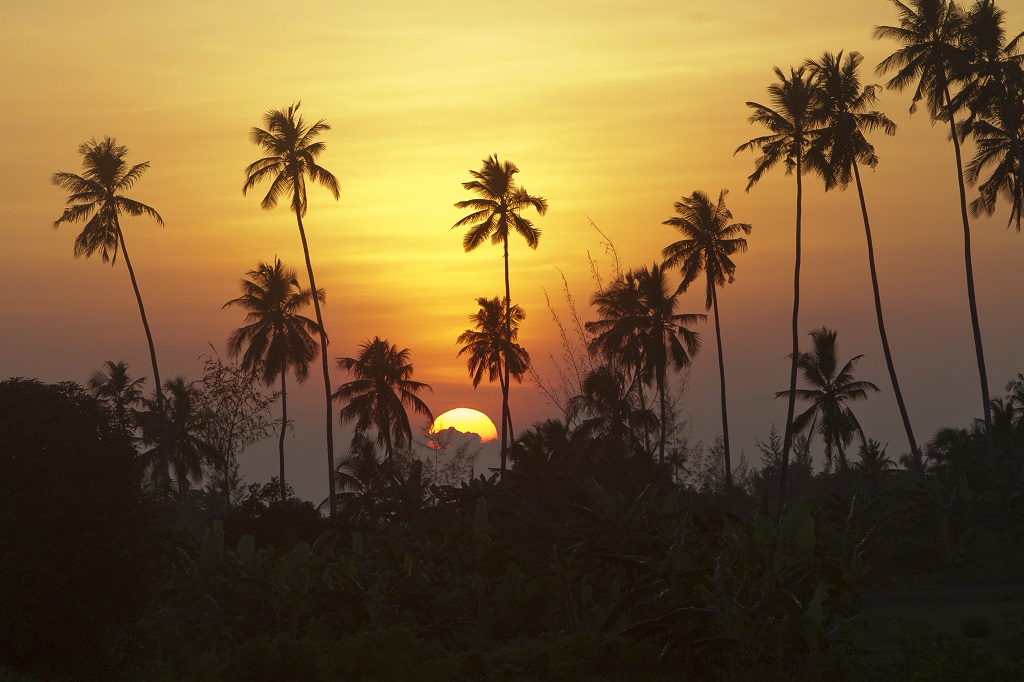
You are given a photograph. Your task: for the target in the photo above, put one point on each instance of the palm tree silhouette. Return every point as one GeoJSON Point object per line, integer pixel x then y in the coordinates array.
{"type": "Point", "coordinates": [496, 213]}
{"type": "Point", "coordinates": [119, 391]}
{"type": "Point", "coordinates": [491, 346]}
{"type": "Point", "coordinates": [930, 58]}
{"type": "Point", "coordinates": [709, 239]}
{"type": "Point", "coordinates": [831, 387]}
{"type": "Point", "coordinates": [291, 154]}
{"type": "Point", "coordinates": [639, 324]}
{"type": "Point", "coordinates": [608, 408]}
{"type": "Point", "coordinates": [380, 393]}
{"type": "Point", "coordinates": [276, 336]}
{"type": "Point", "coordinates": [96, 197]}
{"type": "Point", "coordinates": [843, 145]}
{"type": "Point", "coordinates": [791, 121]}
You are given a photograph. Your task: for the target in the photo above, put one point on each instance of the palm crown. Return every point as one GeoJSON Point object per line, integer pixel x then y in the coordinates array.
{"type": "Point", "coordinates": [496, 211]}
{"type": "Point", "coordinates": [486, 344]}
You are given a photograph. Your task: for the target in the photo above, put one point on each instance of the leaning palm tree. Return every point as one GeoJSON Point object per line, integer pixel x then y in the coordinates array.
{"type": "Point", "coordinates": [791, 121]}
{"type": "Point", "coordinates": [380, 393]}
{"type": "Point", "coordinates": [491, 347]}
{"type": "Point", "coordinates": [496, 214]}
{"type": "Point", "coordinates": [999, 143]}
{"type": "Point", "coordinates": [709, 239]}
{"type": "Point", "coordinates": [843, 146]}
{"type": "Point", "coordinates": [930, 58]}
{"type": "Point", "coordinates": [276, 337]}
{"type": "Point", "coordinates": [97, 197]}
{"type": "Point", "coordinates": [115, 387]}
{"type": "Point", "coordinates": [830, 388]}
{"type": "Point", "coordinates": [291, 153]}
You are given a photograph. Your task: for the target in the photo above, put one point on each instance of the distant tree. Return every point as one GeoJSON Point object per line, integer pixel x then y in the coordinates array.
{"type": "Point", "coordinates": [496, 213]}
{"type": "Point", "coordinates": [873, 462]}
{"type": "Point", "coordinates": [608, 409]}
{"type": "Point", "coordinates": [831, 388]}
{"type": "Point", "coordinates": [491, 347]}
{"type": "Point", "coordinates": [276, 337]}
{"type": "Point", "coordinates": [380, 393]}
{"type": "Point", "coordinates": [709, 239]}
{"type": "Point", "coordinates": [97, 197]}
{"type": "Point", "coordinates": [119, 391]}
{"type": "Point", "coordinates": [291, 154]}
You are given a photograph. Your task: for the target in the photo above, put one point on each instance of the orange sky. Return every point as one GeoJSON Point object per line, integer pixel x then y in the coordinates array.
{"type": "Point", "coordinates": [611, 113]}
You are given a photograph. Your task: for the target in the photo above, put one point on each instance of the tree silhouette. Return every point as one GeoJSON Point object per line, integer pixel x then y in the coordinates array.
{"type": "Point", "coordinates": [291, 153]}
{"type": "Point", "coordinates": [115, 388]}
{"type": "Point", "coordinates": [709, 239]}
{"type": "Point", "coordinates": [608, 408]}
{"type": "Point", "coordinates": [491, 346]}
{"type": "Point", "coordinates": [929, 58]}
{"type": "Point", "coordinates": [496, 213]}
{"type": "Point", "coordinates": [831, 387]}
{"type": "Point", "coordinates": [276, 336]}
{"type": "Point", "coordinates": [842, 145]}
{"type": "Point", "coordinates": [791, 121]}
{"type": "Point", "coordinates": [97, 197]}
{"type": "Point", "coordinates": [380, 393]}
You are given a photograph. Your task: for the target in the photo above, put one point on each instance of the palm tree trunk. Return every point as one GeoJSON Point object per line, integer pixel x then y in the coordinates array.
{"type": "Point", "coordinates": [164, 436]}
{"type": "Point", "coordinates": [664, 431]}
{"type": "Point", "coordinates": [971, 299]}
{"type": "Point", "coordinates": [725, 412]}
{"type": "Point", "coordinates": [284, 428]}
{"type": "Point", "coordinates": [323, 357]}
{"type": "Point", "coordinates": [788, 440]}
{"type": "Point", "coordinates": [878, 314]}
{"type": "Point", "coordinates": [505, 370]}
{"type": "Point", "coordinates": [643, 409]}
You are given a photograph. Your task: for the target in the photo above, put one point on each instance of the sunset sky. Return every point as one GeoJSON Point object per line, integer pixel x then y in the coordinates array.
{"type": "Point", "coordinates": [611, 110]}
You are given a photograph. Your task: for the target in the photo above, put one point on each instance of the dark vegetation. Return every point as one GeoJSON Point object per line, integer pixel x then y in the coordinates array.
{"type": "Point", "coordinates": [607, 546]}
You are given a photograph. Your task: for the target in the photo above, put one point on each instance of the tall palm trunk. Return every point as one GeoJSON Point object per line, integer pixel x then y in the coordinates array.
{"type": "Point", "coordinates": [788, 440]}
{"type": "Point", "coordinates": [878, 314]}
{"type": "Point", "coordinates": [664, 430]}
{"type": "Point", "coordinates": [323, 356]}
{"type": "Point", "coordinates": [725, 412]}
{"type": "Point", "coordinates": [972, 301]}
{"type": "Point", "coordinates": [643, 408]}
{"type": "Point", "coordinates": [505, 414]}
{"type": "Point", "coordinates": [165, 439]}
{"type": "Point", "coordinates": [284, 428]}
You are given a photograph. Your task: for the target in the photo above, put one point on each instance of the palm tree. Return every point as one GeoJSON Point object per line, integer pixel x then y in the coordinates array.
{"type": "Point", "coordinates": [276, 336]}
{"type": "Point", "coordinates": [639, 323]}
{"type": "Point", "coordinates": [496, 213]}
{"type": "Point", "coordinates": [491, 346]}
{"type": "Point", "coordinates": [291, 154]}
{"type": "Point", "coordinates": [96, 197]}
{"type": "Point", "coordinates": [791, 122]}
{"type": "Point", "coordinates": [709, 239]}
{"type": "Point", "coordinates": [930, 58]}
{"type": "Point", "coordinates": [119, 391]}
{"type": "Point", "coordinates": [609, 409]}
{"type": "Point", "coordinates": [380, 393]}
{"type": "Point", "coordinates": [842, 146]}
{"type": "Point", "coordinates": [831, 387]}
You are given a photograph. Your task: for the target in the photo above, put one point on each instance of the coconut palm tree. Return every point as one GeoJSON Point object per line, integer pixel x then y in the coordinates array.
{"type": "Point", "coordinates": [709, 240]}
{"type": "Point", "coordinates": [380, 393]}
{"type": "Point", "coordinates": [792, 121]}
{"type": "Point", "coordinates": [491, 347]}
{"type": "Point", "coordinates": [496, 214]}
{"type": "Point", "coordinates": [97, 197]}
{"type": "Point", "coordinates": [843, 146]}
{"type": "Point", "coordinates": [639, 323]}
{"type": "Point", "coordinates": [999, 145]}
{"type": "Point", "coordinates": [830, 389]}
{"type": "Point", "coordinates": [119, 391]}
{"type": "Point", "coordinates": [608, 409]}
{"type": "Point", "coordinates": [930, 59]}
{"type": "Point", "coordinates": [291, 152]}
{"type": "Point", "coordinates": [276, 337]}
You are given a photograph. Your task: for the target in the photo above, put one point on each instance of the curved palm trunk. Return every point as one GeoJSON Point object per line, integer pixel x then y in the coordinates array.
{"type": "Point", "coordinates": [323, 357]}
{"type": "Point", "coordinates": [284, 428]}
{"type": "Point", "coordinates": [878, 314]}
{"type": "Point", "coordinates": [664, 431]}
{"type": "Point", "coordinates": [972, 301]}
{"type": "Point", "coordinates": [725, 412]}
{"type": "Point", "coordinates": [505, 416]}
{"type": "Point", "coordinates": [164, 436]}
{"type": "Point", "coordinates": [788, 440]}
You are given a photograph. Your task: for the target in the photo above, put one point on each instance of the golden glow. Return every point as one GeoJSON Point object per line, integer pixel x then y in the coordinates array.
{"type": "Point", "coordinates": [466, 420]}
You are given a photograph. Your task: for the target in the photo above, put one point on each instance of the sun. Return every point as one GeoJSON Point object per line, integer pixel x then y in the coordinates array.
{"type": "Point", "coordinates": [466, 420]}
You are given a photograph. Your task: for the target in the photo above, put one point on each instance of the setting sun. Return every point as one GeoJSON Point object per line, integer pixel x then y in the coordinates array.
{"type": "Point", "coordinates": [466, 420]}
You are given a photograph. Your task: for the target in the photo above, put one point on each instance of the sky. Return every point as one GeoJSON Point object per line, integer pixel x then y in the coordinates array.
{"type": "Point", "coordinates": [611, 113]}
